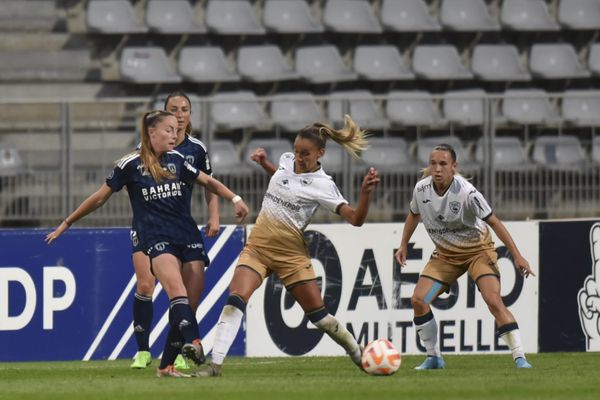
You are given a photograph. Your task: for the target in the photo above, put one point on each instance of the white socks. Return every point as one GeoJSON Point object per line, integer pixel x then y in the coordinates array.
{"type": "Point", "coordinates": [227, 328]}
{"type": "Point", "coordinates": [513, 341]}
{"type": "Point", "coordinates": [341, 336]}
{"type": "Point", "coordinates": [428, 332]}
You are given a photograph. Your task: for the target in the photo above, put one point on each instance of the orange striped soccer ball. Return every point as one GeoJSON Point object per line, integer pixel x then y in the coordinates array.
{"type": "Point", "coordinates": [381, 357]}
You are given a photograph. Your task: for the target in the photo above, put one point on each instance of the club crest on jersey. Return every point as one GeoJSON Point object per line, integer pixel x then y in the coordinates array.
{"type": "Point", "coordinates": [455, 207]}
{"type": "Point", "coordinates": [171, 167]}
{"type": "Point", "coordinates": [306, 181]}
{"type": "Point", "coordinates": [190, 159]}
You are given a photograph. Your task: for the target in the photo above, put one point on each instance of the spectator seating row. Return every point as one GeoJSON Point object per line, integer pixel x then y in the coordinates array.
{"type": "Point", "coordinates": [243, 17]}
{"type": "Point", "coordinates": [388, 154]}
{"type": "Point", "coordinates": [325, 64]}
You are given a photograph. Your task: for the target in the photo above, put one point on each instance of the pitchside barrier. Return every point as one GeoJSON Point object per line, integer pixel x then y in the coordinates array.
{"type": "Point", "coordinates": [72, 300]}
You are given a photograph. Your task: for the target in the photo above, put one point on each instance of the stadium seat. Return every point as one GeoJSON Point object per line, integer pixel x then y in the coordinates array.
{"type": "Point", "coordinates": [146, 65]}
{"type": "Point", "coordinates": [581, 107]}
{"type": "Point", "coordinates": [407, 16]}
{"type": "Point", "coordinates": [322, 64]}
{"type": "Point", "coordinates": [205, 64]}
{"type": "Point", "coordinates": [43, 65]}
{"type": "Point", "coordinates": [112, 16]}
{"type": "Point", "coordinates": [439, 63]}
{"type": "Point", "coordinates": [412, 108]}
{"type": "Point", "coordinates": [426, 145]}
{"type": "Point", "coordinates": [528, 107]}
{"type": "Point", "coordinates": [264, 64]}
{"type": "Point", "coordinates": [579, 14]}
{"type": "Point", "coordinates": [232, 17]}
{"type": "Point", "coordinates": [498, 63]}
{"type": "Point", "coordinates": [527, 15]}
{"type": "Point", "coordinates": [558, 152]}
{"type": "Point", "coordinates": [172, 17]}
{"type": "Point", "coordinates": [389, 155]}
{"type": "Point", "coordinates": [350, 16]}
{"type": "Point", "coordinates": [292, 111]}
{"type": "Point", "coordinates": [594, 59]}
{"type": "Point", "coordinates": [29, 16]}
{"type": "Point", "coordinates": [363, 108]}
{"type": "Point", "coordinates": [465, 107]}
{"type": "Point", "coordinates": [234, 110]}
{"type": "Point", "coordinates": [467, 15]}
{"type": "Point", "coordinates": [556, 61]}
{"type": "Point", "coordinates": [508, 154]}
{"type": "Point", "coordinates": [380, 63]}
{"type": "Point", "coordinates": [290, 16]}
{"type": "Point", "coordinates": [274, 148]}
{"type": "Point", "coordinates": [11, 162]}
{"type": "Point", "coordinates": [225, 159]}
{"type": "Point", "coordinates": [596, 150]}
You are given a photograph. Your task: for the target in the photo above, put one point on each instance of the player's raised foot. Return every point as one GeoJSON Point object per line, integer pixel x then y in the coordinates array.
{"type": "Point", "coordinates": [208, 370]}
{"type": "Point", "coordinates": [180, 363]}
{"type": "Point", "coordinates": [170, 372]}
{"type": "Point", "coordinates": [521, 362]}
{"type": "Point", "coordinates": [432, 362]}
{"type": "Point", "coordinates": [193, 353]}
{"type": "Point", "coordinates": [141, 360]}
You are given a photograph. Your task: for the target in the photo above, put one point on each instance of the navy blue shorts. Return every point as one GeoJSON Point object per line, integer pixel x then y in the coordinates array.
{"type": "Point", "coordinates": [184, 252]}
{"type": "Point", "coordinates": [135, 242]}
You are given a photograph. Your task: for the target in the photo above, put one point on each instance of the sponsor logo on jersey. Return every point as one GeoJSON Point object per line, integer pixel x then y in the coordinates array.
{"type": "Point", "coordinates": [423, 187]}
{"type": "Point", "coordinates": [162, 191]}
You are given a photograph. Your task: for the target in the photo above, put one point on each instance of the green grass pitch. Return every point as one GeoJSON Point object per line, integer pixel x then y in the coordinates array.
{"type": "Point", "coordinates": [555, 376]}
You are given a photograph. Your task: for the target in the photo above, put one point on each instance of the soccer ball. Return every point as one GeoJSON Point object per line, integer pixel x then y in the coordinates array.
{"type": "Point", "coordinates": [380, 357]}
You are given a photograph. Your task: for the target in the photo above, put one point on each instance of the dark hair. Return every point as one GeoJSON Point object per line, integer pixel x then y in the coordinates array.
{"type": "Point", "coordinates": [179, 93]}
{"type": "Point", "coordinates": [448, 148]}
{"type": "Point", "coordinates": [351, 137]}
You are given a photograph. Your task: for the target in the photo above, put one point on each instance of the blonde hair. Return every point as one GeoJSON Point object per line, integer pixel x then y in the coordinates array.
{"type": "Point", "coordinates": [148, 156]}
{"type": "Point", "coordinates": [350, 137]}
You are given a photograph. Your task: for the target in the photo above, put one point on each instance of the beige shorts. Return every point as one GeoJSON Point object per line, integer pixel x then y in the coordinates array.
{"type": "Point", "coordinates": [290, 267]}
{"type": "Point", "coordinates": [447, 270]}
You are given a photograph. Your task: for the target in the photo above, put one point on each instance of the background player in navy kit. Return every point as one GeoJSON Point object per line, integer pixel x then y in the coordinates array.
{"type": "Point", "coordinates": [166, 230]}
{"type": "Point", "coordinates": [179, 104]}
{"type": "Point", "coordinates": [457, 218]}
{"type": "Point", "coordinates": [276, 244]}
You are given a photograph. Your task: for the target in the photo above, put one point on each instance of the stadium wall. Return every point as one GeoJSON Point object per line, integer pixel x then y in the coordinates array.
{"type": "Point", "coordinates": [73, 299]}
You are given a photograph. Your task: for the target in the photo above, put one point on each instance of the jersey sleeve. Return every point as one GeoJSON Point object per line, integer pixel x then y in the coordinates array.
{"type": "Point", "coordinates": [330, 196]}
{"type": "Point", "coordinates": [414, 204]}
{"type": "Point", "coordinates": [478, 204]}
{"type": "Point", "coordinates": [202, 161]}
{"type": "Point", "coordinates": [189, 173]}
{"type": "Point", "coordinates": [117, 178]}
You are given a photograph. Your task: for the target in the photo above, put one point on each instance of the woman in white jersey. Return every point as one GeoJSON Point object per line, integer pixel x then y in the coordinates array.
{"type": "Point", "coordinates": [298, 186]}
{"type": "Point", "coordinates": [457, 218]}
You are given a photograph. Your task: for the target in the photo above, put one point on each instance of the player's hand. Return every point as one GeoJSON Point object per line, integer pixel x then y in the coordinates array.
{"type": "Point", "coordinates": [52, 236]}
{"type": "Point", "coordinates": [212, 227]}
{"type": "Point", "coordinates": [522, 265]}
{"type": "Point", "coordinates": [370, 180]}
{"type": "Point", "coordinates": [400, 256]}
{"type": "Point", "coordinates": [589, 295]}
{"type": "Point", "coordinates": [259, 156]}
{"type": "Point", "coordinates": [241, 210]}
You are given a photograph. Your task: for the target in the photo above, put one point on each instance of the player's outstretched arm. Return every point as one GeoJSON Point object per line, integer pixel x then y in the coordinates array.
{"type": "Point", "coordinates": [215, 186]}
{"type": "Point", "coordinates": [212, 202]}
{"type": "Point", "coordinates": [259, 156]}
{"type": "Point", "coordinates": [93, 202]}
{"type": "Point", "coordinates": [521, 264]}
{"type": "Point", "coordinates": [412, 220]}
{"type": "Point", "coordinates": [356, 216]}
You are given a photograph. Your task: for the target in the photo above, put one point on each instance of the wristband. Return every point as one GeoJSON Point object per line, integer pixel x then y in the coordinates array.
{"type": "Point", "coordinates": [236, 198]}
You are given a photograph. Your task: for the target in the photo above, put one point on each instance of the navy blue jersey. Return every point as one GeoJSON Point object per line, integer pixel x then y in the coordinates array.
{"type": "Point", "coordinates": [195, 153]}
{"type": "Point", "coordinates": [161, 210]}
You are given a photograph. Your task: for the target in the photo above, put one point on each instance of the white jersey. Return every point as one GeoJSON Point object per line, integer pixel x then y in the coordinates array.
{"type": "Point", "coordinates": [454, 220]}
{"type": "Point", "coordinates": [289, 203]}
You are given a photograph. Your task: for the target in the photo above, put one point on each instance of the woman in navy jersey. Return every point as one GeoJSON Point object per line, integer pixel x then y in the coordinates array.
{"type": "Point", "coordinates": [458, 220]}
{"type": "Point", "coordinates": [298, 187]}
{"type": "Point", "coordinates": [194, 151]}
{"type": "Point", "coordinates": [155, 177]}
